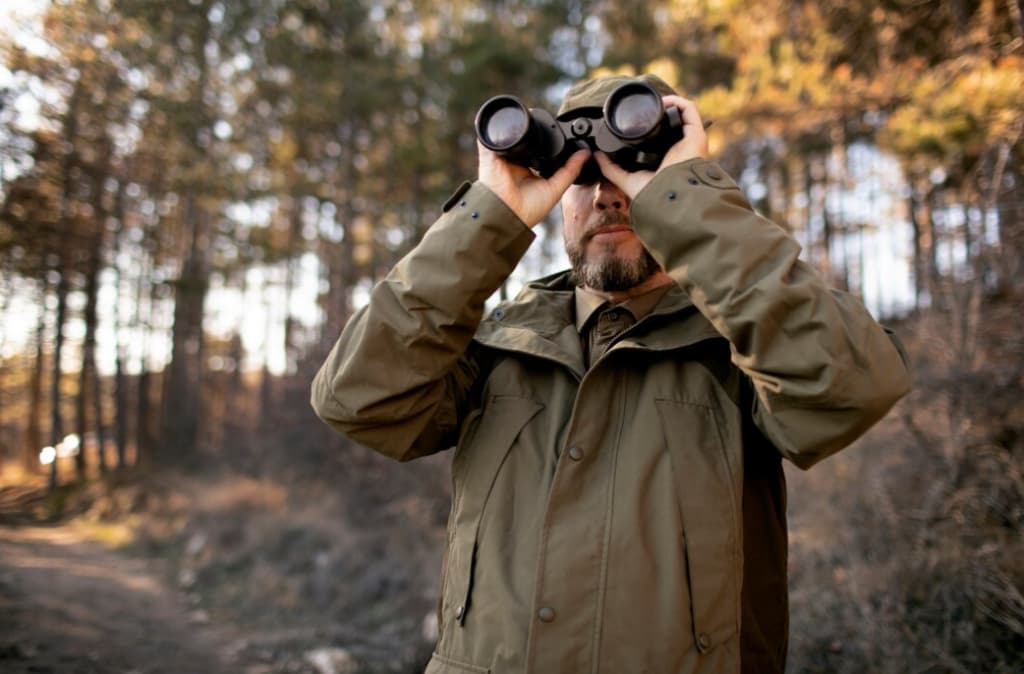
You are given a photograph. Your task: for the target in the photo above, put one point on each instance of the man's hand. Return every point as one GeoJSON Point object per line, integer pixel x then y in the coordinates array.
{"type": "Point", "coordinates": [529, 196]}
{"type": "Point", "coordinates": [694, 144]}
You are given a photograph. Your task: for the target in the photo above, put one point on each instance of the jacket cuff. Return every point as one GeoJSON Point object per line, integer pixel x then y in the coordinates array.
{"type": "Point", "coordinates": [464, 256]}
{"type": "Point", "coordinates": [483, 215]}
{"type": "Point", "coordinates": [694, 219]}
{"type": "Point", "coordinates": [679, 187]}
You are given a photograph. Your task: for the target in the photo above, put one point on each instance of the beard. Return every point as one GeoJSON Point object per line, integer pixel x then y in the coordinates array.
{"type": "Point", "coordinates": [609, 273]}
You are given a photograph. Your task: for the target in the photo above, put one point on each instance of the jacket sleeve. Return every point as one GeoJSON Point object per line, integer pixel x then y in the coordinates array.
{"type": "Point", "coordinates": [402, 368]}
{"type": "Point", "coordinates": [824, 371]}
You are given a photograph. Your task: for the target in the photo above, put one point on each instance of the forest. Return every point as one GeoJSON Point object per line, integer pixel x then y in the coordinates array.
{"type": "Point", "coordinates": [196, 196]}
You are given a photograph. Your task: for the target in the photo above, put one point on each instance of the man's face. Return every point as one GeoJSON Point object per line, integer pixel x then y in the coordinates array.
{"type": "Point", "coordinates": [605, 252]}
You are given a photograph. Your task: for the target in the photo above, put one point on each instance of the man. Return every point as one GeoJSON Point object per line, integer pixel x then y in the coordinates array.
{"type": "Point", "coordinates": [619, 502]}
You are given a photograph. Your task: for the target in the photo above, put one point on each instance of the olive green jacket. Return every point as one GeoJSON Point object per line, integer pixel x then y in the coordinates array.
{"type": "Point", "coordinates": [628, 518]}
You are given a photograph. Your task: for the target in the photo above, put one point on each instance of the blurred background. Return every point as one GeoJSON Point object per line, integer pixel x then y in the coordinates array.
{"type": "Point", "coordinates": [196, 195]}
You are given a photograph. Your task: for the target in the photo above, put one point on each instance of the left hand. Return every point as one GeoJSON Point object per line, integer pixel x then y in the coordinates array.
{"type": "Point", "coordinates": [693, 144]}
{"type": "Point", "coordinates": [529, 196]}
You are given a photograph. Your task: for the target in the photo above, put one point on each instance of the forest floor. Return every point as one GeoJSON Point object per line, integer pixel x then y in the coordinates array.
{"type": "Point", "coordinates": [195, 575]}
{"type": "Point", "coordinates": [70, 605]}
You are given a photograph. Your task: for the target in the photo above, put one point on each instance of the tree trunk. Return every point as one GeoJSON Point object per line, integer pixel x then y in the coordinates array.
{"type": "Point", "coordinates": [266, 379]}
{"type": "Point", "coordinates": [56, 418]}
{"type": "Point", "coordinates": [87, 371]}
{"type": "Point", "coordinates": [4, 299]}
{"type": "Point", "coordinates": [914, 208]}
{"type": "Point", "coordinates": [181, 391]}
{"type": "Point", "coordinates": [838, 227]}
{"type": "Point", "coordinates": [96, 386]}
{"type": "Point", "coordinates": [67, 222]}
{"type": "Point", "coordinates": [341, 272]}
{"type": "Point", "coordinates": [933, 199]}
{"type": "Point", "coordinates": [145, 437]}
{"type": "Point", "coordinates": [120, 385]}
{"type": "Point", "coordinates": [293, 243]}
{"type": "Point", "coordinates": [33, 431]}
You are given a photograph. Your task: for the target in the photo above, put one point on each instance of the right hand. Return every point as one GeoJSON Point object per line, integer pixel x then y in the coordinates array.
{"type": "Point", "coordinates": [529, 196]}
{"type": "Point", "coordinates": [693, 144]}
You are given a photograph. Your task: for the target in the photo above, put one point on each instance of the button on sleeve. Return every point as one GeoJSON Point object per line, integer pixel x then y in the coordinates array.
{"type": "Point", "coordinates": [454, 198]}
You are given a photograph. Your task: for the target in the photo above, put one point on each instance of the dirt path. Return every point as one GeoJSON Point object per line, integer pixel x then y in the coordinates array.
{"type": "Point", "coordinates": [71, 606]}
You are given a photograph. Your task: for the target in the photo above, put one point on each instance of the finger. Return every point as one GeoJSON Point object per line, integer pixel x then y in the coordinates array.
{"type": "Point", "coordinates": [630, 182]}
{"type": "Point", "coordinates": [687, 110]}
{"type": "Point", "coordinates": [563, 177]}
{"type": "Point", "coordinates": [486, 159]}
{"type": "Point", "coordinates": [492, 163]}
{"type": "Point", "coordinates": [485, 154]}
{"type": "Point", "coordinates": [611, 170]}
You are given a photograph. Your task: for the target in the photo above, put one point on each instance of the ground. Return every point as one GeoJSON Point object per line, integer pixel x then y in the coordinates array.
{"type": "Point", "coordinates": [69, 605]}
{"type": "Point", "coordinates": [209, 575]}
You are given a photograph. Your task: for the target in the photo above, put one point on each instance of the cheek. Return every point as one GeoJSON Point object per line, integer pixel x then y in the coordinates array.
{"type": "Point", "coordinates": [574, 202]}
{"type": "Point", "coordinates": [570, 221]}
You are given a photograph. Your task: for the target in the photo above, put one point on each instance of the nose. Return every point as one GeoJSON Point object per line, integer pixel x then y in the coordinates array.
{"type": "Point", "coordinates": [608, 195]}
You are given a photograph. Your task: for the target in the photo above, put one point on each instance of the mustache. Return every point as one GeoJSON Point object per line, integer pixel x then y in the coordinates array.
{"type": "Point", "coordinates": [605, 219]}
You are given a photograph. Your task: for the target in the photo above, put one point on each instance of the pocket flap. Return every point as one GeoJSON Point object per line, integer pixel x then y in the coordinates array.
{"type": "Point", "coordinates": [476, 469]}
{"type": "Point", "coordinates": [707, 491]}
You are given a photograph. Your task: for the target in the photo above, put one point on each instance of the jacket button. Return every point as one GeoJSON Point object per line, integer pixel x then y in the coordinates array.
{"type": "Point", "coordinates": [498, 314]}
{"type": "Point", "coordinates": [575, 453]}
{"type": "Point", "coordinates": [459, 610]}
{"type": "Point", "coordinates": [713, 173]}
{"type": "Point", "coordinates": [546, 614]}
{"type": "Point", "coordinates": [704, 641]}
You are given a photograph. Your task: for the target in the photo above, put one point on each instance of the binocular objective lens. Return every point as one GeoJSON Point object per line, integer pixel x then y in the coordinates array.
{"type": "Point", "coordinates": [636, 114]}
{"type": "Point", "coordinates": [506, 126]}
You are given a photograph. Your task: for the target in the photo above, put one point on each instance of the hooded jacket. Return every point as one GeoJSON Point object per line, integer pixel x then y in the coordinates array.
{"type": "Point", "coordinates": [628, 517]}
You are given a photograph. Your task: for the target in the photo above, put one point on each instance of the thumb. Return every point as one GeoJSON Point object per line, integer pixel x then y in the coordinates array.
{"type": "Point", "coordinates": [629, 183]}
{"type": "Point", "coordinates": [563, 177]}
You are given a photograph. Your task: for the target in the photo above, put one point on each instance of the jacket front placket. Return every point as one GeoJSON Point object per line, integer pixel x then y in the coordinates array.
{"type": "Point", "coordinates": [564, 627]}
{"type": "Point", "coordinates": [572, 551]}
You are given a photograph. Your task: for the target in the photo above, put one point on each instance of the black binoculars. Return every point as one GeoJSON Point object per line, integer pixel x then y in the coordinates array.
{"type": "Point", "coordinates": [634, 130]}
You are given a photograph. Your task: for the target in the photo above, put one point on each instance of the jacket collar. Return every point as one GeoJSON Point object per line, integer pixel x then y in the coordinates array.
{"type": "Point", "coordinates": [588, 303]}
{"type": "Point", "coordinates": [540, 321]}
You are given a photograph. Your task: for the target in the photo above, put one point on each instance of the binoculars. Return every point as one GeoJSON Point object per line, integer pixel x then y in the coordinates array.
{"type": "Point", "coordinates": [634, 130]}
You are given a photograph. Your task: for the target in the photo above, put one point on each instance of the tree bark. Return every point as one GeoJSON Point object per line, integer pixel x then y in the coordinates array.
{"type": "Point", "coordinates": [120, 390]}
{"type": "Point", "coordinates": [33, 431]}
{"type": "Point", "coordinates": [87, 371]}
{"type": "Point", "coordinates": [181, 391]}
{"type": "Point", "coordinates": [145, 437]}
{"type": "Point", "coordinates": [56, 418]}
{"type": "Point", "coordinates": [291, 253]}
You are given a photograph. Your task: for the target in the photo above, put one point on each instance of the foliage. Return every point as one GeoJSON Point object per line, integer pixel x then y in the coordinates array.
{"type": "Point", "coordinates": [961, 108]}
{"type": "Point", "coordinates": [238, 174]}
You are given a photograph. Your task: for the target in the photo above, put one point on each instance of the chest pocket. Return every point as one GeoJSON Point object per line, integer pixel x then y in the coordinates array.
{"type": "Point", "coordinates": [707, 485]}
{"type": "Point", "coordinates": [483, 449]}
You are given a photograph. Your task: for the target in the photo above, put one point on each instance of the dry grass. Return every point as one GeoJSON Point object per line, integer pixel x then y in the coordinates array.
{"type": "Point", "coordinates": [907, 551]}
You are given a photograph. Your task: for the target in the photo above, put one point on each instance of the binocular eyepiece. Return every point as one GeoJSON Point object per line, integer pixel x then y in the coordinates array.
{"type": "Point", "coordinates": [634, 129]}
